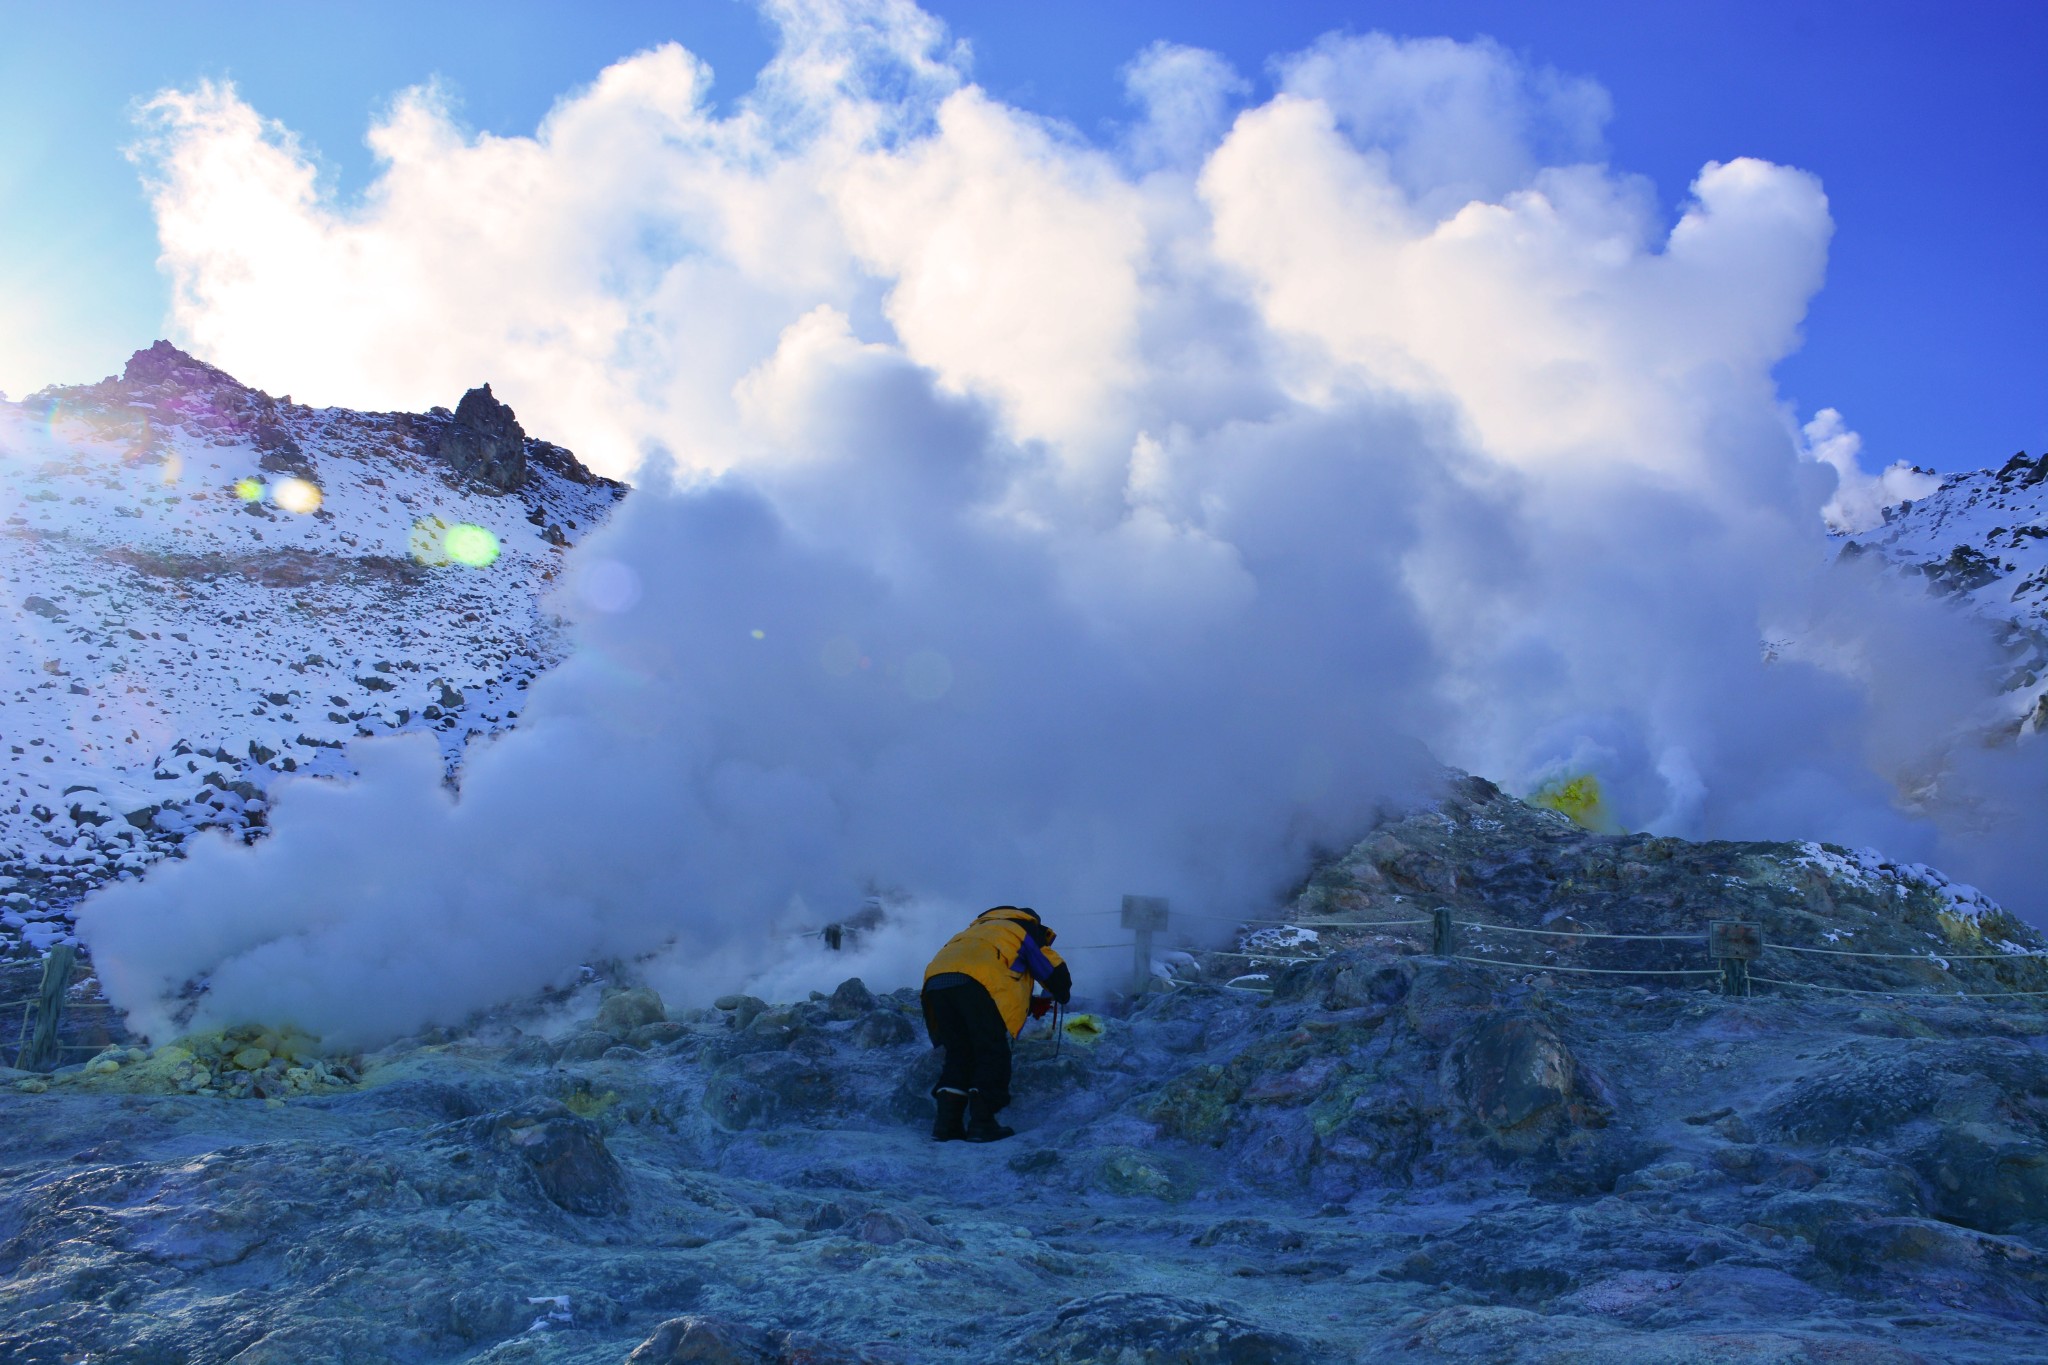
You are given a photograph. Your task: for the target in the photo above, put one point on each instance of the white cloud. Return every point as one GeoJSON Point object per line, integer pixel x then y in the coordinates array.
{"type": "Point", "coordinates": [1106, 527]}
{"type": "Point", "coordinates": [1185, 95]}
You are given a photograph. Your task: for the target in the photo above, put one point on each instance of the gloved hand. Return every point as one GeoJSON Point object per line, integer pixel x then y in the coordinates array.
{"type": "Point", "coordinates": [1041, 1005]}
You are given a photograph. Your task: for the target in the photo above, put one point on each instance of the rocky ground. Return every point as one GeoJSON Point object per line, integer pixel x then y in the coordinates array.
{"type": "Point", "coordinates": [1342, 1149]}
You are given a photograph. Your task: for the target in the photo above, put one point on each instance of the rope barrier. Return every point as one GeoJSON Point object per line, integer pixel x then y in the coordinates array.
{"type": "Point", "coordinates": [1254, 957]}
{"type": "Point", "coordinates": [1896, 995]}
{"type": "Point", "coordinates": [1301, 923]}
{"type": "Point", "coordinates": [1600, 971]}
{"type": "Point", "coordinates": [1931, 955]}
{"type": "Point", "coordinates": [1581, 933]}
{"type": "Point", "coordinates": [68, 1004]}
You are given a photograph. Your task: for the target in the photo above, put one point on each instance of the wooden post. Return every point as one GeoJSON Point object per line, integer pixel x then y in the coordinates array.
{"type": "Point", "coordinates": [1445, 945]}
{"type": "Point", "coordinates": [1142, 915]}
{"type": "Point", "coordinates": [1734, 944]}
{"type": "Point", "coordinates": [40, 1052]}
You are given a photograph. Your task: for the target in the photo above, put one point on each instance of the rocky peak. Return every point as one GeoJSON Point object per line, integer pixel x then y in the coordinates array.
{"type": "Point", "coordinates": [2023, 470]}
{"type": "Point", "coordinates": [162, 364]}
{"type": "Point", "coordinates": [484, 441]}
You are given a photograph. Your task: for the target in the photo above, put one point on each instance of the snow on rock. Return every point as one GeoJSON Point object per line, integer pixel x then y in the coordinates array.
{"type": "Point", "coordinates": [1981, 538]}
{"type": "Point", "coordinates": [212, 589]}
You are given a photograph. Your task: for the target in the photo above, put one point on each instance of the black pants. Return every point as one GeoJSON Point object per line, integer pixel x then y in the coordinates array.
{"type": "Point", "coordinates": [965, 1022]}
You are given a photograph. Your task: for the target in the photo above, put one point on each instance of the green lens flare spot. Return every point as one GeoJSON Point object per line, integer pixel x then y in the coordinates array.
{"type": "Point", "coordinates": [469, 544]}
{"type": "Point", "coordinates": [437, 543]}
{"type": "Point", "coordinates": [249, 490]}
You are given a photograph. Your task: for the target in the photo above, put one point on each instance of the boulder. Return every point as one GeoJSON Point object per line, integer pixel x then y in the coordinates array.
{"type": "Point", "coordinates": [700, 1340]}
{"type": "Point", "coordinates": [587, 1046]}
{"type": "Point", "coordinates": [1986, 1180]}
{"type": "Point", "coordinates": [884, 1028]}
{"type": "Point", "coordinates": [852, 1000]}
{"type": "Point", "coordinates": [566, 1155]}
{"type": "Point", "coordinates": [1155, 1329]}
{"type": "Point", "coordinates": [622, 1011]}
{"type": "Point", "coordinates": [1515, 1076]}
{"type": "Point", "coordinates": [658, 1034]}
{"type": "Point", "coordinates": [767, 1089]}
{"type": "Point", "coordinates": [533, 1051]}
{"type": "Point", "coordinates": [740, 1009]}
{"type": "Point", "coordinates": [1366, 985]}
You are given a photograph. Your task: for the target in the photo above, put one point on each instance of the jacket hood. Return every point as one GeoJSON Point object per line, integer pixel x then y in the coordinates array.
{"type": "Point", "coordinates": [1024, 915]}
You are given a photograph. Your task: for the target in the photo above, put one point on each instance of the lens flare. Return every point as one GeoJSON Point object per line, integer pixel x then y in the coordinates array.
{"type": "Point", "coordinates": [298, 495]}
{"type": "Point", "coordinates": [248, 490]}
{"type": "Point", "coordinates": [1581, 799]}
{"type": "Point", "coordinates": [437, 543]}
{"type": "Point", "coordinates": [608, 585]}
{"type": "Point", "coordinates": [470, 544]}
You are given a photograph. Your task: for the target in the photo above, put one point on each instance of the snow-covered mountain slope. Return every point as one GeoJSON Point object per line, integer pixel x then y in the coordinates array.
{"type": "Point", "coordinates": [1982, 537]}
{"type": "Point", "coordinates": [210, 588]}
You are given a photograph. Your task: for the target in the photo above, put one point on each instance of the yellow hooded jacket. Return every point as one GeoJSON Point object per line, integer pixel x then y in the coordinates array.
{"type": "Point", "coordinates": [999, 951]}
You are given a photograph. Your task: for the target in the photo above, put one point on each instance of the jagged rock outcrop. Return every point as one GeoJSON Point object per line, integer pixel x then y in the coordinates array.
{"type": "Point", "coordinates": [483, 441]}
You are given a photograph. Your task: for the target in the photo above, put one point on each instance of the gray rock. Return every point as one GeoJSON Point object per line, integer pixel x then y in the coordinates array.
{"type": "Point", "coordinates": [699, 1340]}
{"type": "Point", "coordinates": [1920, 1256]}
{"type": "Point", "coordinates": [852, 999]}
{"type": "Point", "coordinates": [1155, 1329]}
{"type": "Point", "coordinates": [885, 1028]}
{"type": "Point", "coordinates": [769, 1089]}
{"type": "Point", "coordinates": [741, 1009]}
{"type": "Point", "coordinates": [622, 1011]}
{"type": "Point", "coordinates": [533, 1051]}
{"type": "Point", "coordinates": [587, 1046]}
{"type": "Point", "coordinates": [1366, 984]}
{"type": "Point", "coordinates": [1444, 998]}
{"type": "Point", "coordinates": [567, 1155]}
{"type": "Point", "coordinates": [657, 1035]}
{"type": "Point", "coordinates": [1986, 1179]}
{"type": "Point", "coordinates": [1134, 1172]}
{"type": "Point", "coordinates": [1515, 1076]}
{"type": "Point", "coordinates": [887, 1227]}
{"type": "Point", "coordinates": [483, 441]}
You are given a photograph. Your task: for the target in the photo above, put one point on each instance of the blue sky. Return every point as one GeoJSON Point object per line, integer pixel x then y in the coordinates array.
{"type": "Point", "coordinates": [1923, 121]}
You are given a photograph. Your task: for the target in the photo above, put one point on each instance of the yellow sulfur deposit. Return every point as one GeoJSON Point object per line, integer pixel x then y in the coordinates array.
{"type": "Point", "coordinates": [1084, 1028]}
{"type": "Point", "coordinates": [243, 1062]}
{"type": "Point", "coordinates": [1581, 799]}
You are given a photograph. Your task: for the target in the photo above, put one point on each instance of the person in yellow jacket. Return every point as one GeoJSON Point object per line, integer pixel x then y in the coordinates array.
{"type": "Point", "coordinates": [977, 995]}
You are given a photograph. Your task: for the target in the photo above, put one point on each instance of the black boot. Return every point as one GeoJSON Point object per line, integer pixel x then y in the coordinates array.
{"type": "Point", "coordinates": [981, 1121]}
{"type": "Point", "coordinates": [951, 1122]}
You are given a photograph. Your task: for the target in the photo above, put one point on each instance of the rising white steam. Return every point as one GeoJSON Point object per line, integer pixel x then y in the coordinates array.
{"type": "Point", "coordinates": [1860, 498]}
{"type": "Point", "coordinates": [1035, 520]}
